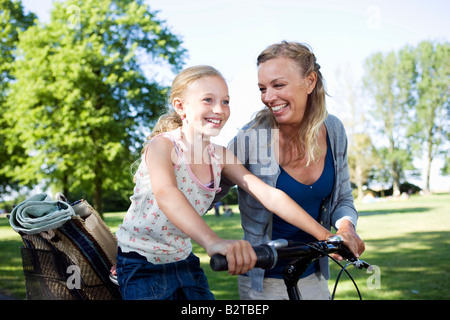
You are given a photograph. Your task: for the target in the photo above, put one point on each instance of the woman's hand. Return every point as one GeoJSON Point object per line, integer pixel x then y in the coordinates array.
{"type": "Point", "coordinates": [239, 253]}
{"type": "Point", "coordinates": [351, 239]}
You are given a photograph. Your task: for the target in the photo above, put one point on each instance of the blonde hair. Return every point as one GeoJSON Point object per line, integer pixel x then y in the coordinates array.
{"type": "Point", "coordinates": [171, 120]}
{"type": "Point", "coordinates": [316, 112]}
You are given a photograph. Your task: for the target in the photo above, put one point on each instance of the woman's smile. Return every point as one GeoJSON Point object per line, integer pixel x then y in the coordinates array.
{"type": "Point", "coordinates": [279, 107]}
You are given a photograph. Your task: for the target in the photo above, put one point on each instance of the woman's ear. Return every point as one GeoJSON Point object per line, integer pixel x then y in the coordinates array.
{"type": "Point", "coordinates": [312, 81]}
{"type": "Point", "coordinates": [178, 106]}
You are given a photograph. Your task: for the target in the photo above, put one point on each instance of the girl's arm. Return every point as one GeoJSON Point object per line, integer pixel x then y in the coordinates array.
{"type": "Point", "coordinates": [179, 211]}
{"type": "Point", "coordinates": [272, 198]}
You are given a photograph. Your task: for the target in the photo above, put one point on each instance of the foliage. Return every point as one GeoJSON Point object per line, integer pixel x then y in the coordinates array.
{"type": "Point", "coordinates": [388, 80]}
{"type": "Point", "coordinates": [430, 128]}
{"type": "Point", "coordinates": [81, 99]}
{"type": "Point", "coordinates": [362, 160]}
{"type": "Point", "coordinates": [410, 91]}
{"type": "Point", "coordinates": [13, 20]}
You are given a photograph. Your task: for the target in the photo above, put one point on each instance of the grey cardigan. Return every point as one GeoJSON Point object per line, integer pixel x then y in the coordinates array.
{"type": "Point", "coordinates": [253, 148]}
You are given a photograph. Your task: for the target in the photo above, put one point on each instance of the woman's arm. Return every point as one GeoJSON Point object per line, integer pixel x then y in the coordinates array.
{"type": "Point", "coordinates": [344, 215]}
{"type": "Point", "coordinates": [181, 214]}
{"type": "Point", "coordinates": [273, 199]}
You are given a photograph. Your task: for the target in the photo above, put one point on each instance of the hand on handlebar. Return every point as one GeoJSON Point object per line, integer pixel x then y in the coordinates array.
{"type": "Point", "coordinates": [268, 254]}
{"type": "Point", "coordinates": [351, 239]}
{"type": "Point", "coordinates": [239, 253]}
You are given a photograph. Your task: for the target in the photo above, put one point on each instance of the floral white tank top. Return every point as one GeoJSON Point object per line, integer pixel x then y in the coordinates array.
{"type": "Point", "coordinates": [145, 228]}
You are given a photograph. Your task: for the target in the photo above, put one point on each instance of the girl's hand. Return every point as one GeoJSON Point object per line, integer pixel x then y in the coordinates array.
{"type": "Point", "coordinates": [113, 270]}
{"type": "Point", "coordinates": [239, 253]}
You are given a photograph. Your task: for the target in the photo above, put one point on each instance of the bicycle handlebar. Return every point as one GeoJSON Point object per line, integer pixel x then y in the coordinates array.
{"type": "Point", "coordinates": [269, 254]}
{"type": "Point", "coordinates": [265, 258]}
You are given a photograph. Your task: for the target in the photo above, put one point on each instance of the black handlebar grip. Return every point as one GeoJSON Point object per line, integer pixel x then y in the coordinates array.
{"type": "Point", "coordinates": [265, 259]}
{"type": "Point", "coordinates": [346, 253]}
{"type": "Point", "coordinates": [218, 262]}
{"type": "Point", "coordinates": [349, 256]}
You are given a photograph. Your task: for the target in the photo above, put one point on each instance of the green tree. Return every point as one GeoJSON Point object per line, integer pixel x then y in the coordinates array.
{"type": "Point", "coordinates": [389, 78]}
{"type": "Point", "coordinates": [82, 99]}
{"type": "Point", "coordinates": [362, 160]}
{"type": "Point", "coordinates": [430, 128]}
{"type": "Point", "coordinates": [12, 20]}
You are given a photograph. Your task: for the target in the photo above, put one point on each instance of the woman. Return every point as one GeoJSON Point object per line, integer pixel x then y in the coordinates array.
{"type": "Point", "coordinates": [294, 145]}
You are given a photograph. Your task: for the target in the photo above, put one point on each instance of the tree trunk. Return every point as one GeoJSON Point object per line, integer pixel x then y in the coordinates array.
{"type": "Point", "coordinates": [65, 185]}
{"type": "Point", "coordinates": [395, 170]}
{"type": "Point", "coordinates": [98, 189]}
{"type": "Point", "coordinates": [428, 167]}
{"type": "Point", "coordinates": [359, 181]}
{"type": "Point", "coordinates": [396, 179]}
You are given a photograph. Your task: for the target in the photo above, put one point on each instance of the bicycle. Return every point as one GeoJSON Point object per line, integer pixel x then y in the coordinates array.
{"type": "Point", "coordinates": [302, 254]}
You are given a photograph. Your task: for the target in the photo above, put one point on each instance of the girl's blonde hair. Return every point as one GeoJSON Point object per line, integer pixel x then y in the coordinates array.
{"type": "Point", "coordinates": [171, 120]}
{"type": "Point", "coordinates": [316, 112]}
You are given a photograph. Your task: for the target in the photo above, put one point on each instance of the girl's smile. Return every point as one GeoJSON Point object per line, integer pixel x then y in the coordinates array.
{"type": "Point", "coordinates": [206, 106]}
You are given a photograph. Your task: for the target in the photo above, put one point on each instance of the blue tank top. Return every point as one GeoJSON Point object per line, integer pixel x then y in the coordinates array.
{"type": "Point", "coordinates": [310, 198]}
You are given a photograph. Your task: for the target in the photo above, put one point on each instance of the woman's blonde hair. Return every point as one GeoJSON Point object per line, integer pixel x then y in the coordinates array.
{"type": "Point", "coordinates": [316, 112]}
{"type": "Point", "coordinates": [171, 120]}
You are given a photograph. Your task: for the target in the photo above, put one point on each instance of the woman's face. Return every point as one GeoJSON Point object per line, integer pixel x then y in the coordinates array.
{"type": "Point", "coordinates": [283, 89]}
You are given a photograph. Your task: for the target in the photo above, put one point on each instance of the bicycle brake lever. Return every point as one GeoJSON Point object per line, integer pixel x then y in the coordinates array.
{"type": "Point", "coordinates": [337, 241]}
{"type": "Point", "coordinates": [359, 264]}
{"type": "Point", "coordinates": [343, 251]}
{"type": "Point", "coordinates": [349, 256]}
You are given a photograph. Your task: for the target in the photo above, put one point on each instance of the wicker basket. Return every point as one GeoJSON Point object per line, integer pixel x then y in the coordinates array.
{"type": "Point", "coordinates": [71, 262]}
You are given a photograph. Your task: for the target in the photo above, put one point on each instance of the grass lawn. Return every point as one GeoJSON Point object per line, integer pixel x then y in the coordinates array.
{"type": "Point", "coordinates": [408, 241]}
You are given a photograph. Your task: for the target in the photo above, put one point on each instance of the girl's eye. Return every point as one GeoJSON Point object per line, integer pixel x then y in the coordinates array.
{"type": "Point", "coordinates": [226, 102]}
{"type": "Point", "coordinates": [208, 100]}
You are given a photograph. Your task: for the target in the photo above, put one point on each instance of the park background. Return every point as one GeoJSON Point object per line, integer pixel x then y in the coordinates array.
{"type": "Point", "coordinates": [347, 37]}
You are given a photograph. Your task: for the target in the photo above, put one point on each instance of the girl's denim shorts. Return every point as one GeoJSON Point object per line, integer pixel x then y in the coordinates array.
{"type": "Point", "coordinates": [141, 280]}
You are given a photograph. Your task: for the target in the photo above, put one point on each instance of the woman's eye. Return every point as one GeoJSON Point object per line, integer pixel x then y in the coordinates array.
{"type": "Point", "coordinates": [262, 89]}
{"type": "Point", "coordinates": [226, 102]}
{"type": "Point", "coordinates": [208, 100]}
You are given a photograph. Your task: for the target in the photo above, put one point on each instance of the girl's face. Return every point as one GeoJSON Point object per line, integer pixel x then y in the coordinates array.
{"type": "Point", "coordinates": [206, 105]}
{"type": "Point", "coordinates": [283, 90]}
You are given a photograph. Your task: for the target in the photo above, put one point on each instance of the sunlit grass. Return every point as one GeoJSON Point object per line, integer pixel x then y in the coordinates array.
{"type": "Point", "coordinates": [12, 280]}
{"type": "Point", "coordinates": [408, 240]}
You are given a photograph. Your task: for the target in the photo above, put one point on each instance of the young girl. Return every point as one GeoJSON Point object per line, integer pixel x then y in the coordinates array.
{"type": "Point", "coordinates": [176, 181]}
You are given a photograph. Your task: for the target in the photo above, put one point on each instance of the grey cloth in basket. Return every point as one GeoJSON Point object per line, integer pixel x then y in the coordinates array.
{"type": "Point", "coordinates": [40, 213]}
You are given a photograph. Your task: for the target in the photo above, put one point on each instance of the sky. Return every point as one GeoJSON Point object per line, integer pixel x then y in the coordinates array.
{"type": "Point", "coordinates": [230, 34]}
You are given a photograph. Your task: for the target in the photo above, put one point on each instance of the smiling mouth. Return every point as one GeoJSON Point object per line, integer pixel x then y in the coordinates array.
{"type": "Point", "coordinates": [279, 107]}
{"type": "Point", "coordinates": [214, 121]}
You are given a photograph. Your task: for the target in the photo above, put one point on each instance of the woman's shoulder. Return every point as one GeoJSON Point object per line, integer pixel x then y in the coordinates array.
{"type": "Point", "coordinates": [334, 124]}
{"type": "Point", "coordinates": [336, 133]}
{"type": "Point", "coordinates": [331, 118]}
{"type": "Point", "coordinates": [252, 130]}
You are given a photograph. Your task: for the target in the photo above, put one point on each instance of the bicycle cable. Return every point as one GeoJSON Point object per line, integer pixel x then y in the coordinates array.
{"type": "Point", "coordinates": [343, 268]}
{"type": "Point", "coordinates": [351, 278]}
